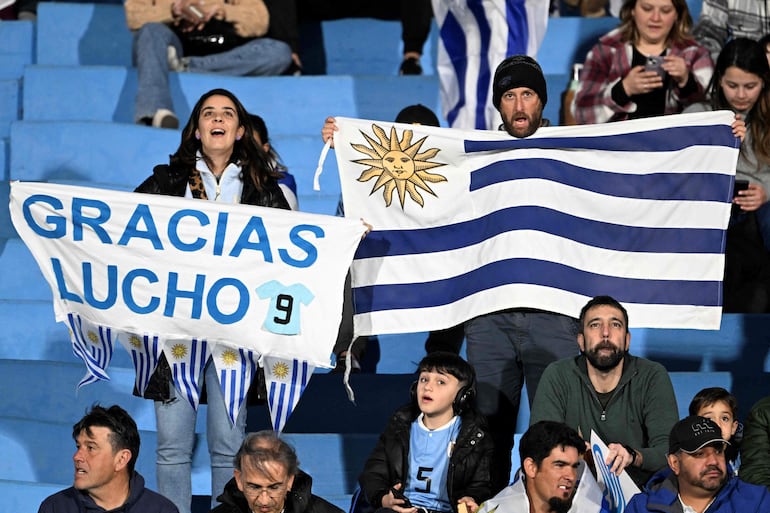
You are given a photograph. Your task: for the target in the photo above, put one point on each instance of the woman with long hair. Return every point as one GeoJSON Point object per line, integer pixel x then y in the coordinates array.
{"type": "Point", "coordinates": [649, 66]}
{"type": "Point", "coordinates": [740, 84]}
{"type": "Point", "coordinates": [217, 160]}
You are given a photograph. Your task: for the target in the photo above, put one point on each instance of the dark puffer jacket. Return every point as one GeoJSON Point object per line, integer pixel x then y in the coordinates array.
{"type": "Point", "coordinates": [169, 181]}
{"type": "Point", "coordinates": [469, 465]}
{"type": "Point", "coordinates": [299, 500]}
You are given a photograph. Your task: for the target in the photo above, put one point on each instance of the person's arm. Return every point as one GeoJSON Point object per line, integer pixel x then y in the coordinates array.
{"type": "Point", "coordinates": [141, 12]}
{"type": "Point", "coordinates": [755, 447]}
{"type": "Point", "coordinates": [479, 488]}
{"type": "Point", "coordinates": [375, 479]}
{"type": "Point", "coordinates": [250, 17]}
{"type": "Point", "coordinates": [594, 100]}
{"type": "Point", "coordinates": [550, 398]}
{"type": "Point", "coordinates": [711, 30]}
{"type": "Point", "coordinates": [701, 68]}
{"type": "Point", "coordinates": [660, 414]}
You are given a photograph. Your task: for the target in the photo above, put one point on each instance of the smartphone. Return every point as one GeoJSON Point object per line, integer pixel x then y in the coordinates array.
{"type": "Point", "coordinates": [654, 63]}
{"type": "Point", "coordinates": [740, 185]}
{"type": "Point", "coordinates": [192, 13]}
{"type": "Point", "coordinates": [398, 494]}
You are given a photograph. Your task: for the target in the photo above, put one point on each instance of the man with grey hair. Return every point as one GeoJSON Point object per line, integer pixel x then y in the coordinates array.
{"type": "Point", "coordinates": [267, 479]}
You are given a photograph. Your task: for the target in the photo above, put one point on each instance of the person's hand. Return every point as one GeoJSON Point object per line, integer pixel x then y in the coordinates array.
{"type": "Point", "coordinates": [739, 127]}
{"type": "Point", "coordinates": [327, 132]}
{"type": "Point", "coordinates": [189, 14]}
{"type": "Point", "coordinates": [469, 502]}
{"type": "Point", "coordinates": [752, 198]}
{"type": "Point", "coordinates": [368, 228]}
{"type": "Point", "coordinates": [677, 69]}
{"type": "Point", "coordinates": [392, 502]}
{"type": "Point", "coordinates": [212, 9]}
{"type": "Point", "coordinates": [639, 81]}
{"type": "Point", "coordinates": [618, 458]}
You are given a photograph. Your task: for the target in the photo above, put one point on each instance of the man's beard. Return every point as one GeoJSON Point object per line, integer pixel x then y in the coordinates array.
{"type": "Point", "coordinates": [702, 483]}
{"type": "Point", "coordinates": [557, 505]}
{"type": "Point", "coordinates": [608, 362]}
{"type": "Point", "coordinates": [534, 123]}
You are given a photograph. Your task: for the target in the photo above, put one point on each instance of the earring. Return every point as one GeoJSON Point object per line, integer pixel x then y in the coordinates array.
{"type": "Point", "coordinates": [197, 136]}
{"type": "Point", "coordinates": [238, 138]}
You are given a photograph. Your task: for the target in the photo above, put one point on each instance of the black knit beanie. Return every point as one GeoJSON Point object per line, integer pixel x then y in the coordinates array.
{"type": "Point", "coordinates": [518, 71]}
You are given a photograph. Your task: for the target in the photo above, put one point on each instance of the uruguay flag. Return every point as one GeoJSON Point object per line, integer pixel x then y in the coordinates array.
{"type": "Point", "coordinates": [145, 352]}
{"type": "Point", "coordinates": [92, 343]}
{"type": "Point", "coordinates": [187, 359]}
{"type": "Point", "coordinates": [476, 35]}
{"type": "Point", "coordinates": [286, 381]}
{"type": "Point", "coordinates": [236, 368]}
{"type": "Point", "coordinates": [471, 222]}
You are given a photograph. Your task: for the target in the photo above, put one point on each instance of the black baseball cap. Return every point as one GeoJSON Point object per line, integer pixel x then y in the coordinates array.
{"type": "Point", "coordinates": [694, 433]}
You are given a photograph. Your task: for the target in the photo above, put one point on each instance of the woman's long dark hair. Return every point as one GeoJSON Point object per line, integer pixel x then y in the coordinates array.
{"type": "Point", "coordinates": [255, 164]}
{"type": "Point", "coordinates": [749, 56]}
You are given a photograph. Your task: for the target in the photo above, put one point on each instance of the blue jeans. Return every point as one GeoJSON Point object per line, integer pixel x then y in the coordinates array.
{"type": "Point", "coordinates": [506, 348]}
{"type": "Point", "coordinates": [261, 56]}
{"type": "Point", "coordinates": [176, 440]}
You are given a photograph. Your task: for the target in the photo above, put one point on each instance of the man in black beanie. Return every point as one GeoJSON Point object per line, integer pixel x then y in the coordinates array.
{"type": "Point", "coordinates": [509, 347]}
{"type": "Point", "coordinates": [519, 93]}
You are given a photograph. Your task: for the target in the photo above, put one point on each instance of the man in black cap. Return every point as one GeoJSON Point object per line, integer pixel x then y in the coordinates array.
{"type": "Point", "coordinates": [511, 346]}
{"type": "Point", "coordinates": [698, 479]}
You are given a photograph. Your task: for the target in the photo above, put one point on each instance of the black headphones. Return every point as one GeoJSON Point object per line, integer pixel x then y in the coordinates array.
{"type": "Point", "coordinates": [462, 400]}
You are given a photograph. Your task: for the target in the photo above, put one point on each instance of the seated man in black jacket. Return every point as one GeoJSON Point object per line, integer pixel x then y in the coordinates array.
{"type": "Point", "coordinates": [268, 480]}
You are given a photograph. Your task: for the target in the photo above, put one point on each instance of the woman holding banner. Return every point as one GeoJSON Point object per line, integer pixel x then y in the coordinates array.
{"type": "Point", "coordinates": [217, 160]}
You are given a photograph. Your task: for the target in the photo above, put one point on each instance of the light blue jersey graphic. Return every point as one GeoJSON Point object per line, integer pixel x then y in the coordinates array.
{"type": "Point", "coordinates": [283, 315]}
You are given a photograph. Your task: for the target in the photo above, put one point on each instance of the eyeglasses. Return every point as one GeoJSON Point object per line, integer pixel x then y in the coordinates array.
{"type": "Point", "coordinates": [273, 491]}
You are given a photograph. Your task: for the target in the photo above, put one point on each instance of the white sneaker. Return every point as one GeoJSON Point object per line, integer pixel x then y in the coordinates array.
{"type": "Point", "coordinates": [174, 62]}
{"type": "Point", "coordinates": [164, 118]}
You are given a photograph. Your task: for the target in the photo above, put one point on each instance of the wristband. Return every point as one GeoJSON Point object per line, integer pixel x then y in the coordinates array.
{"type": "Point", "coordinates": [631, 451]}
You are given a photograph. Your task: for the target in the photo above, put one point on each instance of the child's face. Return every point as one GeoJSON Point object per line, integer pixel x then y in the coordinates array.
{"type": "Point", "coordinates": [721, 413]}
{"type": "Point", "coordinates": [436, 392]}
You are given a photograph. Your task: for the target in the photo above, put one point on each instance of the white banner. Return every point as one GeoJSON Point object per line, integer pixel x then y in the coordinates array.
{"type": "Point", "coordinates": [263, 279]}
{"type": "Point", "coordinates": [617, 490]}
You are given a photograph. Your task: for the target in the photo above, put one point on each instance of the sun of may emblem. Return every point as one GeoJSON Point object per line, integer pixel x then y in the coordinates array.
{"type": "Point", "coordinates": [93, 337]}
{"type": "Point", "coordinates": [179, 351]}
{"type": "Point", "coordinates": [398, 166]}
{"type": "Point", "coordinates": [135, 341]}
{"type": "Point", "coordinates": [280, 370]}
{"type": "Point", "coordinates": [229, 357]}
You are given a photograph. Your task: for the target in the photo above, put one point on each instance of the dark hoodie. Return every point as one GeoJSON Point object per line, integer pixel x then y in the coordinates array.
{"type": "Point", "coordinates": [140, 500]}
{"type": "Point", "coordinates": [299, 499]}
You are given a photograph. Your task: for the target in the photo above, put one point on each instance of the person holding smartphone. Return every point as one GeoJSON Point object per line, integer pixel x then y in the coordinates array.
{"type": "Point", "coordinates": [649, 66]}
{"type": "Point", "coordinates": [740, 84]}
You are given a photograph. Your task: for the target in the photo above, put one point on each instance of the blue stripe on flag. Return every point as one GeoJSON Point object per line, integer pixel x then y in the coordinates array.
{"type": "Point", "coordinates": [383, 243]}
{"type": "Point", "coordinates": [665, 139]}
{"type": "Point", "coordinates": [453, 37]}
{"type": "Point", "coordinates": [659, 186]}
{"type": "Point", "coordinates": [293, 387]}
{"type": "Point", "coordinates": [518, 30]}
{"type": "Point", "coordinates": [536, 272]}
{"type": "Point", "coordinates": [484, 77]}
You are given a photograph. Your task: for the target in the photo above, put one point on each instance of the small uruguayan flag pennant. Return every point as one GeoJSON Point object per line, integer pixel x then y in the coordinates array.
{"type": "Point", "coordinates": [187, 359]}
{"type": "Point", "coordinates": [286, 381]}
{"type": "Point", "coordinates": [145, 352]}
{"type": "Point", "coordinates": [92, 343]}
{"type": "Point", "coordinates": [236, 367]}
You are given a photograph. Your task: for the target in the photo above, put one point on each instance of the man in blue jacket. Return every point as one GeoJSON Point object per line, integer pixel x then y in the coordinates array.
{"type": "Point", "coordinates": [107, 442]}
{"type": "Point", "coordinates": [697, 479]}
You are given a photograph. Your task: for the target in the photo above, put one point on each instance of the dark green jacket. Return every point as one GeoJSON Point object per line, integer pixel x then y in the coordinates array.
{"type": "Point", "coordinates": [640, 413]}
{"type": "Point", "coordinates": [755, 447]}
